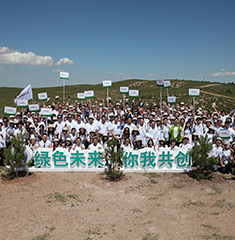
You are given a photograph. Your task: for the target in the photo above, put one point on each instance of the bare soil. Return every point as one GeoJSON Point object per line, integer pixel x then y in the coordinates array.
{"type": "Point", "coordinates": [140, 206]}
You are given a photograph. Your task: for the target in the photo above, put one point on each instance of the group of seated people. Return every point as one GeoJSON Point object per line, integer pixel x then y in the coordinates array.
{"type": "Point", "coordinates": [83, 127]}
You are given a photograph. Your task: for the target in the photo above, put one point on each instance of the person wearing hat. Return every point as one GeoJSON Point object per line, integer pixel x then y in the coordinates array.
{"type": "Point", "coordinates": [64, 135]}
{"type": "Point", "coordinates": [161, 143]}
{"type": "Point", "coordinates": [95, 145]}
{"type": "Point", "coordinates": [51, 132]}
{"type": "Point", "coordinates": [68, 144]}
{"type": "Point", "coordinates": [45, 143]}
{"type": "Point", "coordinates": [78, 145]}
{"type": "Point", "coordinates": [138, 144]}
{"type": "Point", "coordinates": [134, 134]}
{"type": "Point", "coordinates": [91, 125]}
{"type": "Point", "coordinates": [185, 145]}
{"type": "Point", "coordinates": [195, 139]}
{"type": "Point", "coordinates": [104, 140]}
{"type": "Point", "coordinates": [216, 151]}
{"type": "Point", "coordinates": [211, 134]}
{"type": "Point", "coordinates": [227, 159]}
{"type": "Point", "coordinates": [31, 134]}
{"type": "Point", "coordinates": [33, 144]}
{"type": "Point", "coordinates": [56, 144]}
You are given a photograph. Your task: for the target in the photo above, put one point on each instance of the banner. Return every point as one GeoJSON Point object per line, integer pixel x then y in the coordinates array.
{"type": "Point", "coordinates": [124, 90]}
{"type": "Point", "coordinates": [193, 92]}
{"type": "Point", "coordinates": [64, 75]}
{"type": "Point", "coordinates": [224, 134]}
{"type": "Point", "coordinates": [160, 82]}
{"type": "Point", "coordinates": [26, 94]}
{"type": "Point", "coordinates": [107, 83]}
{"type": "Point", "coordinates": [133, 93]}
{"type": "Point", "coordinates": [46, 112]}
{"type": "Point", "coordinates": [22, 103]}
{"type": "Point", "coordinates": [144, 160]}
{"type": "Point", "coordinates": [167, 84]}
{"type": "Point", "coordinates": [81, 96]}
{"type": "Point", "coordinates": [42, 96]}
{"type": "Point", "coordinates": [34, 108]}
{"type": "Point", "coordinates": [171, 99]}
{"type": "Point", "coordinates": [9, 110]}
{"type": "Point", "coordinates": [89, 94]}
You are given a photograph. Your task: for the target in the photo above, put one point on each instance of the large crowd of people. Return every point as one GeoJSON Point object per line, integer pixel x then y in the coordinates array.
{"type": "Point", "coordinates": [136, 126]}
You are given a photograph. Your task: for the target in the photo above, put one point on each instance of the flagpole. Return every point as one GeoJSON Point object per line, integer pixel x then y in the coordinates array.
{"type": "Point", "coordinates": [64, 90]}
{"type": "Point", "coordinates": [123, 102]}
{"type": "Point", "coordinates": [107, 97]}
{"type": "Point", "coordinates": [194, 106]}
{"type": "Point", "coordinates": [161, 99]}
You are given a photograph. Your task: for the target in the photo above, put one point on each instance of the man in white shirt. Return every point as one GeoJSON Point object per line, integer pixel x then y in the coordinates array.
{"type": "Point", "coordinates": [198, 127]}
{"type": "Point", "coordinates": [45, 143]}
{"type": "Point", "coordinates": [103, 126]}
{"type": "Point", "coordinates": [186, 145]}
{"type": "Point", "coordinates": [129, 124]}
{"type": "Point", "coordinates": [59, 125]}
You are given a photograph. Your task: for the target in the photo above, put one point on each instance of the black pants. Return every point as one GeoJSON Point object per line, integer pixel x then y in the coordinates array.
{"type": "Point", "coordinates": [2, 156]}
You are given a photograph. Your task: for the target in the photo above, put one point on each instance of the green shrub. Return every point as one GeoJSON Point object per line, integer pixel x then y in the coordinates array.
{"type": "Point", "coordinates": [15, 158]}
{"type": "Point", "coordinates": [200, 158]}
{"type": "Point", "coordinates": [113, 157]}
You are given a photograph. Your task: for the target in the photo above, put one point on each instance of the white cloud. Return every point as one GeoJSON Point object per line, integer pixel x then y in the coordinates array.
{"type": "Point", "coordinates": [14, 57]}
{"type": "Point", "coordinates": [223, 70]}
{"type": "Point", "coordinates": [64, 61]}
{"type": "Point", "coordinates": [222, 74]}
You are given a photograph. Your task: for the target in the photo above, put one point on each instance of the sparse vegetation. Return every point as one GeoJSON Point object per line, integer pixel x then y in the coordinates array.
{"type": "Point", "coordinates": [201, 160]}
{"type": "Point", "coordinates": [15, 158]}
{"type": "Point", "coordinates": [113, 157]}
{"type": "Point", "coordinates": [150, 94]}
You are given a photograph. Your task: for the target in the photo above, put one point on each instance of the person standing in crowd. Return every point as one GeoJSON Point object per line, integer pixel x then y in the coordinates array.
{"type": "Point", "coordinates": [175, 132]}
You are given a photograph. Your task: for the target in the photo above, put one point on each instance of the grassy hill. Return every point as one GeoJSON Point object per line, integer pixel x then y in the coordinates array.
{"type": "Point", "coordinates": [222, 94]}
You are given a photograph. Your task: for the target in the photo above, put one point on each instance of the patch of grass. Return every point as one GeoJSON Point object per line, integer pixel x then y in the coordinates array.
{"type": "Point", "coordinates": [215, 236]}
{"type": "Point", "coordinates": [217, 191]}
{"type": "Point", "coordinates": [215, 213]}
{"type": "Point", "coordinates": [42, 237]}
{"type": "Point", "coordinates": [222, 203]}
{"type": "Point", "coordinates": [149, 236]}
{"type": "Point", "coordinates": [136, 210]}
{"type": "Point", "coordinates": [56, 197]}
{"type": "Point", "coordinates": [94, 231]}
{"type": "Point", "coordinates": [192, 203]}
{"type": "Point", "coordinates": [208, 226]}
{"type": "Point", "coordinates": [73, 196]}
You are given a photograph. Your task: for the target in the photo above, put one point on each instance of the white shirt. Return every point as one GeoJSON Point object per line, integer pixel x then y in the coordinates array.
{"type": "Point", "coordinates": [216, 151]}
{"type": "Point", "coordinates": [97, 147]}
{"type": "Point", "coordinates": [43, 144]}
{"type": "Point", "coordinates": [2, 138]}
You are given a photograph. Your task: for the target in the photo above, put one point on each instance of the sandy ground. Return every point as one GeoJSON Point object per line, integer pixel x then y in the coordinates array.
{"type": "Point", "coordinates": [141, 206]}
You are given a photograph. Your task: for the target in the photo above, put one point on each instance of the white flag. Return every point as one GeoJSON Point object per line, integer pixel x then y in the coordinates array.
{"type": "Point", "coordinates": [26, 94]}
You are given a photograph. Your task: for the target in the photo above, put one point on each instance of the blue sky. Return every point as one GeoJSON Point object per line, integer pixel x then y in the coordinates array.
{"type": "Point", "coordinates": [116, 39]}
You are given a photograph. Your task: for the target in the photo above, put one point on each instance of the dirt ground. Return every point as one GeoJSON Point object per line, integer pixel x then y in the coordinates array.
{"type": "Point", "coordinates": [82, 205]}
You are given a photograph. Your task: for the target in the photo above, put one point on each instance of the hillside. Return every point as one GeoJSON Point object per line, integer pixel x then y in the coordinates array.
{"type": "Point", "coordinates": [222, 94]}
